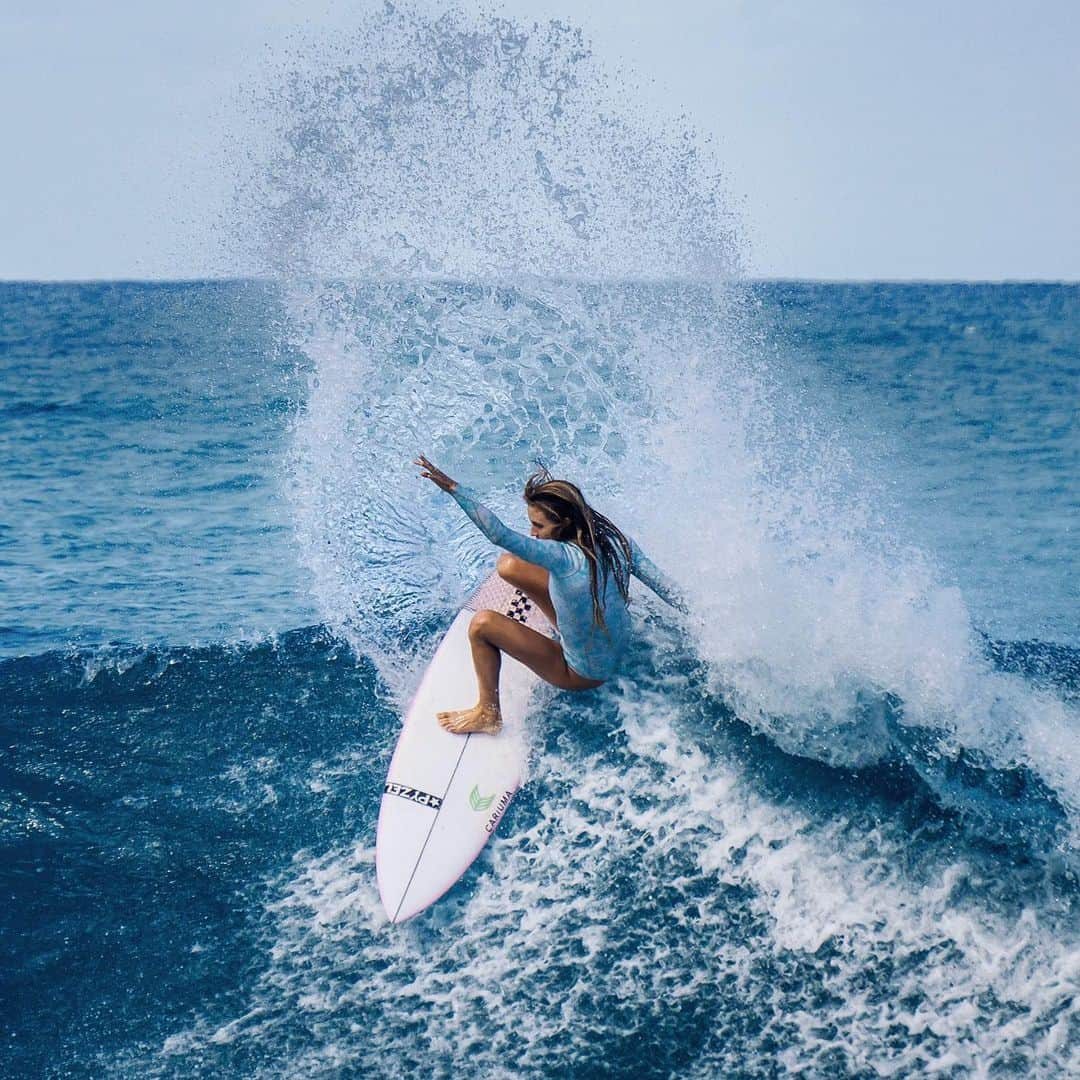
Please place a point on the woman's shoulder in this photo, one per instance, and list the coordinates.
(575, 556)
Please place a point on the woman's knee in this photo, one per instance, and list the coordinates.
(509, 567)
(483, 622)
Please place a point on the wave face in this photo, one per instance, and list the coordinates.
(826, 824)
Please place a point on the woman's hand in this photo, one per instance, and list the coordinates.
(435, 475)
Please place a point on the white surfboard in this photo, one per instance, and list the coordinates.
(445, 794)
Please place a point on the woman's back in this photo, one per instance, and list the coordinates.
(591, 650)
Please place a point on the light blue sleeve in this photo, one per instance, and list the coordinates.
(552, 555)
(648, 573)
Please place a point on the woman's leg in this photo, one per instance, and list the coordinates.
(490, 635)
(531, 579)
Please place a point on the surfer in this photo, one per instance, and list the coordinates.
(575, 566)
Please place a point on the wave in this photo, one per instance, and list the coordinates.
(308, 676)
(762, 884)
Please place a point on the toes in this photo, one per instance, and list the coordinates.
(450, 721)
(468, 721)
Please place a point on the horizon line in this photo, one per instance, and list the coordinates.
(764, 279)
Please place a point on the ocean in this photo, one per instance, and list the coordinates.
(826, 824)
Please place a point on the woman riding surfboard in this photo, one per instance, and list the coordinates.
(575, 566)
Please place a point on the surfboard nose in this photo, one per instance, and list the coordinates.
(423, 845)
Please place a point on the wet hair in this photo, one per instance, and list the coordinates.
(606, 548)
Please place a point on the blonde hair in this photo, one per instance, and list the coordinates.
(606, 548)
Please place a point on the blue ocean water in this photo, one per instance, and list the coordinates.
(142, 424)
(193, 759)
(826, 825)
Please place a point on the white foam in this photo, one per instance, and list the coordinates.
(649, 876)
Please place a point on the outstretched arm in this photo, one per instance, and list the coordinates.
(554, 556)
(648, 573)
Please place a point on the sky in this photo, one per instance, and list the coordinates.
(861, 139)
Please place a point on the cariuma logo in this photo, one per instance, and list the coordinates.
(480, 802)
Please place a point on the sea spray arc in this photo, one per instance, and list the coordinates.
(460, 330)
(807, 632)
(473, 148)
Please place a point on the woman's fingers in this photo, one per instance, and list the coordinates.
(432, 470)
(433, 473)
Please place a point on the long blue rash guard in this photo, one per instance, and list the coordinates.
(590, 650)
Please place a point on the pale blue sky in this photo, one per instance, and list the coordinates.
(861, 139)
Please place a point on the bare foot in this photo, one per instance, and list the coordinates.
(480, 719)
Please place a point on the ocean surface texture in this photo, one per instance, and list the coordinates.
(828, 824)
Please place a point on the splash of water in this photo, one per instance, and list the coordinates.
(488, 262)
(475, 148)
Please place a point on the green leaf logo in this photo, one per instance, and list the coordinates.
(480, 802)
